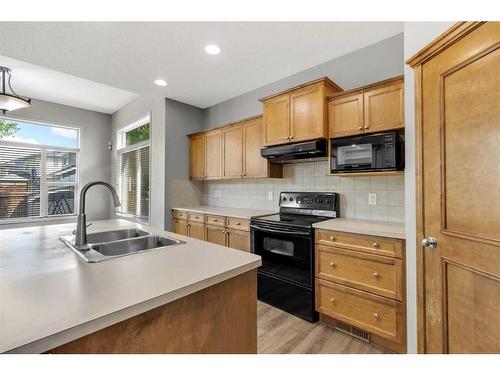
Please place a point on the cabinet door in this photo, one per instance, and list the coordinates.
(213, 155)
(196, 230)
(179, 227)
(276, 120)
(238, 239)
(232, 154)
(345, 115)
(254, 165)
(384, 108)
(197, 157)
(216, 234)
(307, 114)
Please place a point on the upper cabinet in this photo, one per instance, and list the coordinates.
(373, 108)
(229, 152)
(298, 114)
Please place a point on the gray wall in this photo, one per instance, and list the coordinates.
(373, 63)
(94, 155)
(416, 36)
(180, 120)
(127, 115)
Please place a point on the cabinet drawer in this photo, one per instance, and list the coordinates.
(376, 274)
(240, 224)
(359, 242)
(215, 220)
(378, 315)
(196, 217)
(180, 214)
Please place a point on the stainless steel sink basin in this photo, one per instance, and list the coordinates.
(118, 243)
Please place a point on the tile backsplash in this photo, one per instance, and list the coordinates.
(354, 192)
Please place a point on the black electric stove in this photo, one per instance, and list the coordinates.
(285, 241)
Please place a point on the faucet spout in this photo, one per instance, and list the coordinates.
(81, 221)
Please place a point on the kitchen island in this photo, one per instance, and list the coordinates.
(195, 297)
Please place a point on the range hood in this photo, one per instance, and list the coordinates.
(294, 152)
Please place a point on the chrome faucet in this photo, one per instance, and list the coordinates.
(81, 221)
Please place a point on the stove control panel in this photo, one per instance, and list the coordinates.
(309, 201)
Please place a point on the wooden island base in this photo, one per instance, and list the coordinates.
(219, 319)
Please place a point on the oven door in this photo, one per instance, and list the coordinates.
(286, 252)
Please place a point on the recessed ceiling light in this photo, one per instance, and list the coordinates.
(161, 82)
(212, 49)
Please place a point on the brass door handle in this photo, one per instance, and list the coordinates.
(332, 300)
(333, 264)
(376, 275)
(367, 127)
(332, 238)
(376, 317)
(376, 245)
(360, 128)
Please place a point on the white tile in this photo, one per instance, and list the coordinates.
(298, 183)
(362, 212)
(319, 183)
(298, 170)
(396, 214)
(378, 213)
(361, 197)
(308, 184)
(396, 183)
(320, 168)
(347, 211)
(396, 198)
(308, 169)
(333, 183)
(362, 183)
(288, 170)
(381, 197)
(347, 197)
(378, 183)
(347, 183)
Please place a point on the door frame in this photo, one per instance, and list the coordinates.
(443, 41)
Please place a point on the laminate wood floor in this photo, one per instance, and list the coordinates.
(281, 333)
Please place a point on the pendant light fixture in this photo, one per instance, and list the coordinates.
(10, 101)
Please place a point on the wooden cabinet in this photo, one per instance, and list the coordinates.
(232, 155)
(298, 114)
(230, 152)
(360, 280)
(216, 234)
(373, 108)
(196, 230)
(237, 223)
(213, 155)
(197, 157)
(179, 226)
(238, 239)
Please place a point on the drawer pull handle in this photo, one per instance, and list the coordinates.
(376, 245)
(360, 128)
(376, 275)
(215, 220)
(332, 238)
(333, 264)
(332, 300)
(367, 127)
(238, 223)
(376, 317)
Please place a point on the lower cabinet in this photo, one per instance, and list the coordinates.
(225, 231)
(360, 280)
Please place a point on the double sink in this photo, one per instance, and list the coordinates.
(117, 243)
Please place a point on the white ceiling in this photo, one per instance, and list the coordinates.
(129, 55)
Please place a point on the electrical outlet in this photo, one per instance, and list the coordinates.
(270, 196)
(372, 199)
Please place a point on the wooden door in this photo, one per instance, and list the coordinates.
(307, 114)
(179, 227)
(254, 165)
(345, 116)
(458, 113)
(196, 230)
(232, 153)
(276, 120)
(213, 155)
(384, 108)
(197, 157)
(238, 239)
(216, 234)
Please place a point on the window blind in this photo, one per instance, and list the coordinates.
(20, 171)
(134, 183)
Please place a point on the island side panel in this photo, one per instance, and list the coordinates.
(219, 319)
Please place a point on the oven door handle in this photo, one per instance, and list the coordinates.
(280, 231)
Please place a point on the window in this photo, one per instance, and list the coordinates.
(38, 170)
(133, 174)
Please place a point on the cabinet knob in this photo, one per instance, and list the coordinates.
(376, 275)
(332, 238)
(360, 128)
(376, 317)
(238, 223)
(333, 264)
(215, 220)
(332, 300)
(367, 127)
(376, 245)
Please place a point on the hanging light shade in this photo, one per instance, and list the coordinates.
(10, 101)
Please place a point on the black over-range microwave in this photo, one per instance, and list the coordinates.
(368, 153)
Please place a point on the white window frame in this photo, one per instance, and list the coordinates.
(121, 149)
(44, 184)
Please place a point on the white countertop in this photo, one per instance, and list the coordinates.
(49, 296)
(371, 228)
(240, 213)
